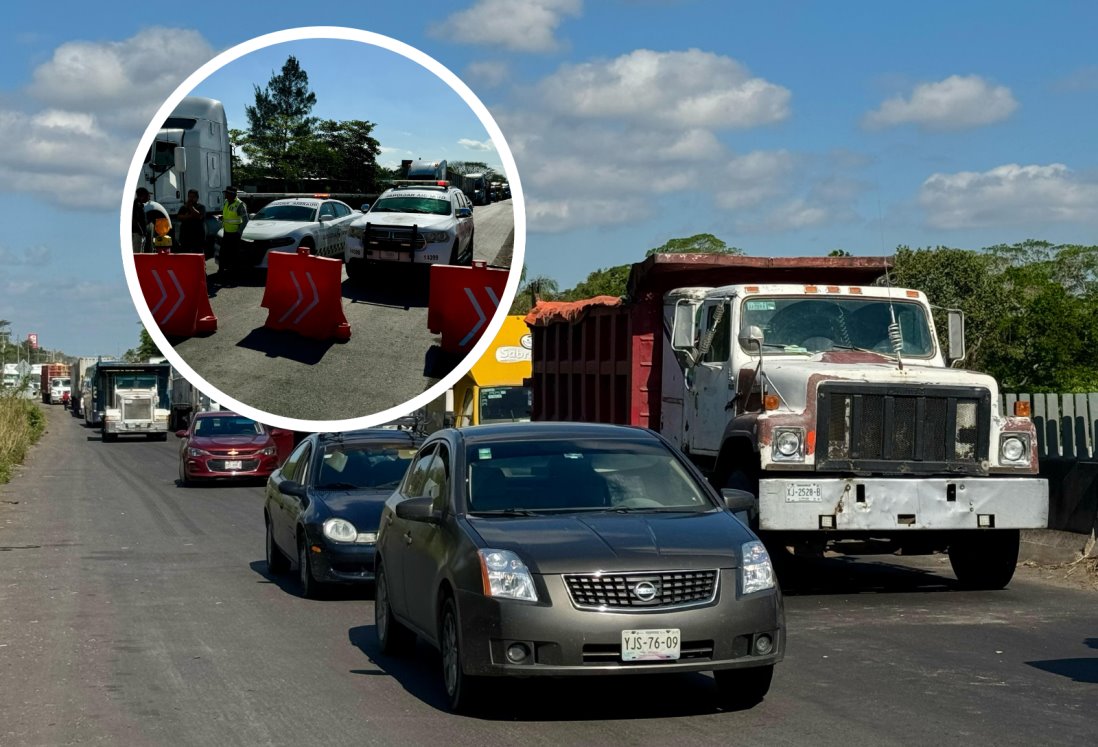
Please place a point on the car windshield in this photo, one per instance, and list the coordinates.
(505, 404)
(810, 325)
(409, 204)
(228, 425)
(375, 465)
(297, 213)
(573, 475)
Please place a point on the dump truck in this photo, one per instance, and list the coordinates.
(54, 379)
(825, 395)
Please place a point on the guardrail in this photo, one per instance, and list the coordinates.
(1067, 447)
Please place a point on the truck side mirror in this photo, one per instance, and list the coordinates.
(180, 155)
(956, 336)
(751, 337)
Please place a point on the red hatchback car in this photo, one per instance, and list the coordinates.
(224, 445)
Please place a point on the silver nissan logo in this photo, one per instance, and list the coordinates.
(645, 591)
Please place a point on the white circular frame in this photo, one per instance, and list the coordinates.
(411, 53)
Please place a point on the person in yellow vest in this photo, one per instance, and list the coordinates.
(234, 216)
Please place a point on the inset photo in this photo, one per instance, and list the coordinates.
(323, 228)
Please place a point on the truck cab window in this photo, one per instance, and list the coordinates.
(721, 342)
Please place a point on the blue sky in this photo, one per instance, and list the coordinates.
(784, 128)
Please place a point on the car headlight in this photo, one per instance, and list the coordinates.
(283, 241)
(788, 445)
(193, 452)
(1014, 449)
(357, 231)
(340, 530)
(756, 570)
(434, 237)
(269, 451)
(504, 575)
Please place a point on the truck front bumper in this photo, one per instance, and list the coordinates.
(902, 504)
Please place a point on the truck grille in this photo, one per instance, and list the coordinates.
(902, 430)
(619, 591)
(137, 409)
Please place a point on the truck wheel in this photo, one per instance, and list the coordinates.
(985, 559)
(742, 688)
(356, 270)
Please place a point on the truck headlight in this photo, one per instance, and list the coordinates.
(435, 237)
(756, 570)
(505, 575)
(340, 530)
(788, 445)
(1014, 448)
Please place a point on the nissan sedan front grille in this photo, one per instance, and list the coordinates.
(641, 592)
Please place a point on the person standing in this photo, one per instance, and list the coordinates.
(234, 216)
(140, 225)
(192, 225)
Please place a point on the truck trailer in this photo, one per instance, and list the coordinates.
(826, 396)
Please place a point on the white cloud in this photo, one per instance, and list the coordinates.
(31, 256)
(468, 144)
(957, 102)
(96, 97)
(674, 89)
(516, 25)
(1010, 195)
(122, 82)
(489, 73)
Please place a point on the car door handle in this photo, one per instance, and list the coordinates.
(408, 538)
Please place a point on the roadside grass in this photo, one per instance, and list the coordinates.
(22, 423)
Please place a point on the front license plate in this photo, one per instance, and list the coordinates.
(237, 464)
(650, 645)
(803, 492)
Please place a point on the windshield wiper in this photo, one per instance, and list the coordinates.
(855, 347)
(505, 512)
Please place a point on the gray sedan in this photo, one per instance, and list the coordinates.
(573, 549)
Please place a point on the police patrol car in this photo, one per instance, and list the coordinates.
(316, 223)
(413, 223)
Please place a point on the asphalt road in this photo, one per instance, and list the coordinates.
(133, 611)
(388, 360)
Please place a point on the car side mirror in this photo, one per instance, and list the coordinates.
(464, 212)
(327, 218)
(289, 487)
(180, 434)
(365, 207)
(738, 500)
(417, 509)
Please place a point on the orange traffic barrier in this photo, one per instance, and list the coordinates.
(462, 301)
(174, 286)
(303, 295)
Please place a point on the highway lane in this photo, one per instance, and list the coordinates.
(134, 611)
(385, 363)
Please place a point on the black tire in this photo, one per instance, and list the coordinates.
(355, 270)
(277, 564)
(184, 481)
(455, 258)
(738, 689)
(985, 559)
(393, 638)
(310, 587)
(308, 243)
(469, 251)
(462, 691)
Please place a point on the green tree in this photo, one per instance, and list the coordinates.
(839, 253)
(609, 281)
(701, 243)
(279, 126)
(145, 349)
(346, 152)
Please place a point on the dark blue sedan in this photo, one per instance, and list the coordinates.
(324, 503)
